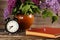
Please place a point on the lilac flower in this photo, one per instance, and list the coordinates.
(55, 7)
(6, 13)
(8, 9)
(59, 1)
(36, 2)
(42, 5)
(52, 4)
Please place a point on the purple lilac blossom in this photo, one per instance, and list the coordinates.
(59, 1)
(52, 4)
(42, 5)
(8, 9)
(6, 13)
(36, 2)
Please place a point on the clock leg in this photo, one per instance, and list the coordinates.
(9, 33)
(5, 31)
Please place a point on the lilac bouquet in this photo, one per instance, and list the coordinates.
(54, 5)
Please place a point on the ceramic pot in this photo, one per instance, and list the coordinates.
(25, 21)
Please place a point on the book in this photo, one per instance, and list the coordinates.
(44, 32)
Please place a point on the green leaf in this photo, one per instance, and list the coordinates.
(44, 14)
(30, 10)
(21, 7)
(33, 6)
(15, 10)
(31, 3)
(47, 13)
(37, 10)
(25, 8)
(54, 18)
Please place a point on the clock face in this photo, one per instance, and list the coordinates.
(12, 26)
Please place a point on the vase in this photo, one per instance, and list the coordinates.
(25, 21)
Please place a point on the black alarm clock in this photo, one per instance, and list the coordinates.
(12, 26)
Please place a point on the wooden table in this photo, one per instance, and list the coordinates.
(21, 36)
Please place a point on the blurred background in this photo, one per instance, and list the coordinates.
(3, 4)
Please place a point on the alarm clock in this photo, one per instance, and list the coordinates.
(12, 26)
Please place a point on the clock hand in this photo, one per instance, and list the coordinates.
(11, 27)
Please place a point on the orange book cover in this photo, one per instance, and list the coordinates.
(44, 32)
